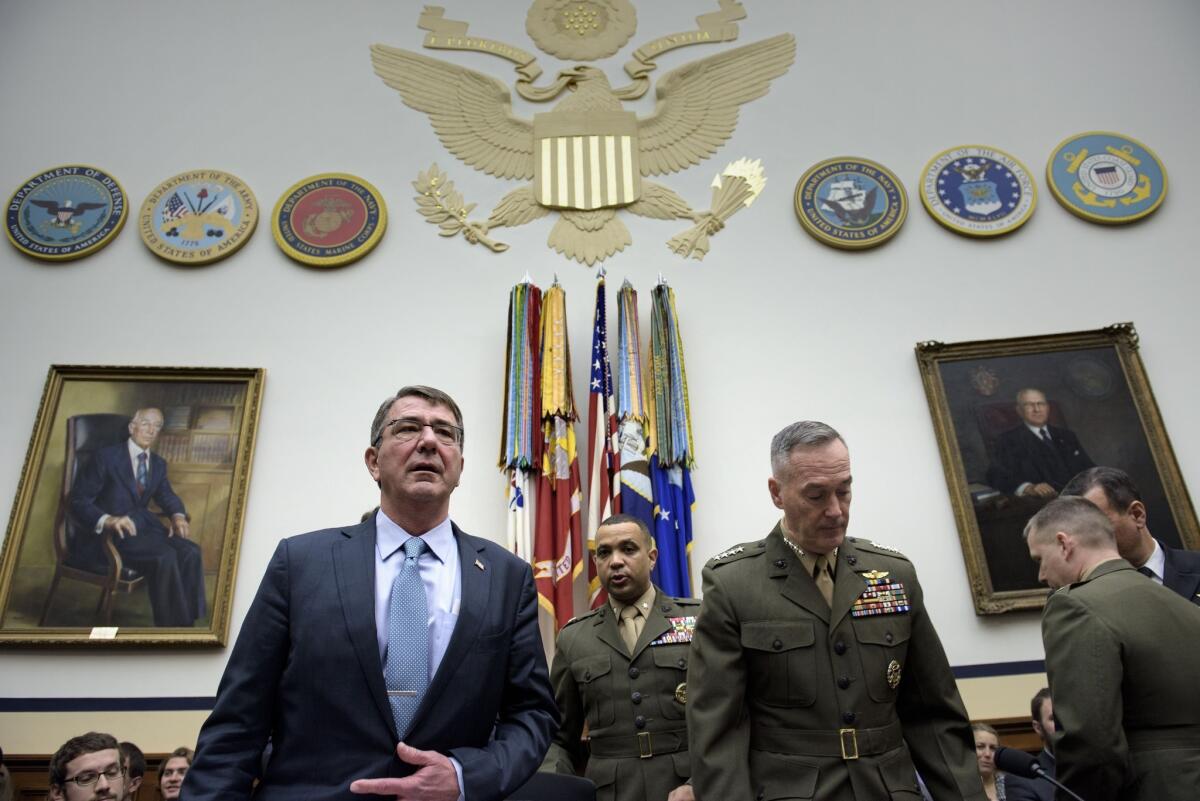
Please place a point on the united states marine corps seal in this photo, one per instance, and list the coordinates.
(1106, 177)
(329, 220)
(198, 217)
(978, 191)
(65, 213)
(851, 203)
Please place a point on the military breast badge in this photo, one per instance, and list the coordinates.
(978, 191)
(851, 203)
(882, 596)
(1106, 177)
(65, 213)
(329, 220)
(682, 630)
(588, 158)
(198, 217)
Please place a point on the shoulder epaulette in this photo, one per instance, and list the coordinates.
(867, 545)
(684, 601)
(582, 617)
(738, 552)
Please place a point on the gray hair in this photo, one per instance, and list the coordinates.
(430, 394)
(804, 434)
(1076, 516)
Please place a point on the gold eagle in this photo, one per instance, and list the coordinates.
(575, 162)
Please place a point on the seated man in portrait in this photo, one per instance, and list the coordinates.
(113, 492)
(1035, 458)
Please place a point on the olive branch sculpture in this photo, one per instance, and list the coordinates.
(442, 205)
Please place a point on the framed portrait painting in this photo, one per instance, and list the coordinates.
(1016, 419)
(128, 515)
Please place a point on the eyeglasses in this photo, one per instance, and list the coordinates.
(407, 428)
(88, 778)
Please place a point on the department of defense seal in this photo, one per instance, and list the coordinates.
(329, 220)
(65, 213)
(851, 203)
(978, 191)
(1106, 177)
(198, 217)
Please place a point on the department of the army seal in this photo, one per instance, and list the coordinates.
(978, 191)
(1106, 177)
(851, 203)
(198, 217)
(329, 220)
(65, 213)
(893, 674)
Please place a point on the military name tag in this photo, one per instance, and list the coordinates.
(682, 630)
(881, 597)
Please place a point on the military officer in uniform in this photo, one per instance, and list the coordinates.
(815, 670)
(622, 668)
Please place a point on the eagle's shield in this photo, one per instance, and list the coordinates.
(586, 160)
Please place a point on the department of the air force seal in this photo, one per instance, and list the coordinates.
(198, 217)
(1106, 177)
(329, 220)
(978, 191)
(851, 203)
(65, 213)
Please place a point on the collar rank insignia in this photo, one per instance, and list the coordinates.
(883, 596)
(682, 630)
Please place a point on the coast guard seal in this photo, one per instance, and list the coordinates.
(329, 220)
(198, 217)
(1106, 177)
(65, 213)
(851, 203)
(978, 191)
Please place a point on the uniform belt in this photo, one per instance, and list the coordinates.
(643, 744)
(1166, 737)
(842, 743)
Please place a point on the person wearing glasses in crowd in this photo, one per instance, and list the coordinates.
(88, 768)
(400, 652)
(174, 769)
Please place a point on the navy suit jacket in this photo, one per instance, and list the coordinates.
(1182, 572)
(1021, 456)
(106, 486)
(1018, 788)
(306, 672)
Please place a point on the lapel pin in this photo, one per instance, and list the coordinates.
(479, 565)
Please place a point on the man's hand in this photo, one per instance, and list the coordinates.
(1040, 490)
(123, 526)
(682, 793)
(179, 526)
(435, 779)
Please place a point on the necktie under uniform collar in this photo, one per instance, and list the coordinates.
(818, 565)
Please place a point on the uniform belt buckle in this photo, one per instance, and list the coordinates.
(645, 746)
(848, 737)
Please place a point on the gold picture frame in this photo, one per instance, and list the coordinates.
(1099, 398)
(107, 548)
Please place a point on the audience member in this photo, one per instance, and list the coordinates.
(87, 768)
(174, 768)
(1019, 788)
(986, 743)
(1115, 494)
(135, 768)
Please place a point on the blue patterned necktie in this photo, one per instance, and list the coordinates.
(406, 670)
(141, 473)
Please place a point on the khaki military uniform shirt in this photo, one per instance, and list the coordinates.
(634, 704)
(790, 699)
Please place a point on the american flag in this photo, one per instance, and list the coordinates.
(604, 486)
(174, 208)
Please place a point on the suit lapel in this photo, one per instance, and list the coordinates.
(794, 582)
(124, 468)
(472, 609)
(1186, 584)
(354, 569)
(607, 633)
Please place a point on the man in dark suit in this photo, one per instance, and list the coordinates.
(622, 670)
(1121, 668)
(400, 648)
(1115, 494)
(1035, 458)
(1019, 788)
(113, 493)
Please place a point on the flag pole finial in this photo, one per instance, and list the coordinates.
(527, 279)
(661, 280)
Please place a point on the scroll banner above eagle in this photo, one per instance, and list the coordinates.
(587, 158)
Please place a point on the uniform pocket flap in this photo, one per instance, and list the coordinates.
(778, 637)
(592, 668)
(783, 777)
(670, 658)
(883, 632)
(683, 765)
(602, 772)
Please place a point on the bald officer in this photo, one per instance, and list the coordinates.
(815, 663)
(622, 669)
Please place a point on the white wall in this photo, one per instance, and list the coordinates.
(777, 327)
